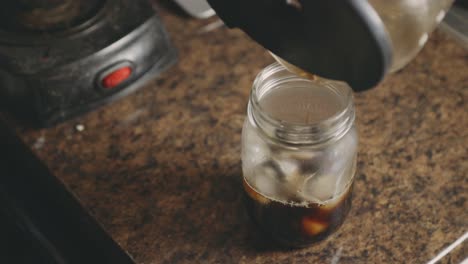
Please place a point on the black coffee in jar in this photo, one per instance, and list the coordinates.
(296, 224)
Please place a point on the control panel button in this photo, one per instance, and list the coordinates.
(116, 77)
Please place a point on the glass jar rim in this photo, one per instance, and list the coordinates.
(332, 127)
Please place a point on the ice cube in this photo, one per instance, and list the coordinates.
(295, 154)
(254, 151)
(319, 188)
(346, 176)
(289, 168)
(313, 226)
(342, 151)
(253, 155)
(268, 180)
(340, 170)
(306, 161)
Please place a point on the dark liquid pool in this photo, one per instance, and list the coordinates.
(296, 225)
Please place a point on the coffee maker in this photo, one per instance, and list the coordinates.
(60, 58)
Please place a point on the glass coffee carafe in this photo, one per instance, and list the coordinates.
(358, 41)
(409, 23)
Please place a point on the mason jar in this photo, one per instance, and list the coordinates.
(299, 147)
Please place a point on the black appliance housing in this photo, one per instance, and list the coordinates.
(60, 58)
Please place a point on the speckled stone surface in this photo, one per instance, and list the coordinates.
(160, 169)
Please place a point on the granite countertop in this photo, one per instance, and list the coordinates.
(160, 169)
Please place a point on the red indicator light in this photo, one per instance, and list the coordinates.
(116, 77)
